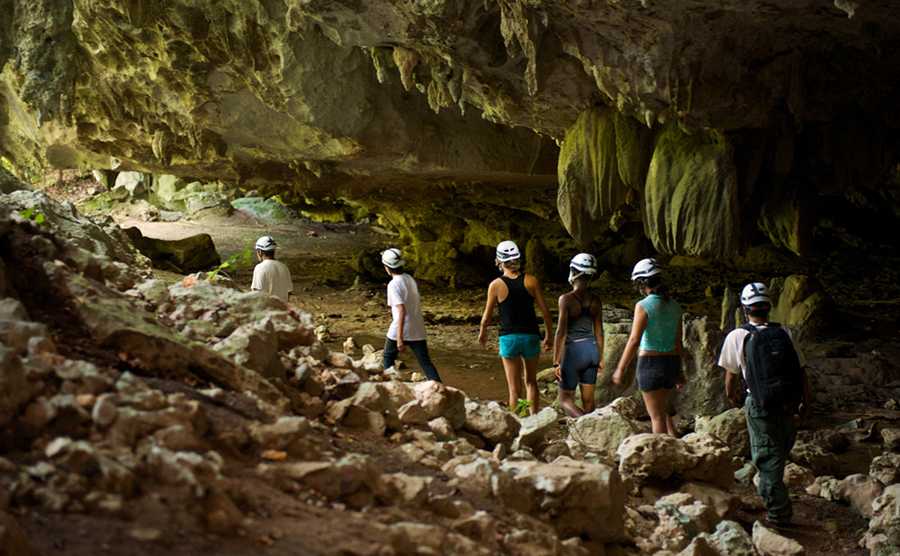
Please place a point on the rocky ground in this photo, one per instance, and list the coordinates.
(149, 415)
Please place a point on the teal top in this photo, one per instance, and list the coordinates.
(663, 318)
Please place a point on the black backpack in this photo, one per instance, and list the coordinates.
(774, 374)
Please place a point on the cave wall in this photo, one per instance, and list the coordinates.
(698, 128)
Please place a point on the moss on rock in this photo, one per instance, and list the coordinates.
(691, 195)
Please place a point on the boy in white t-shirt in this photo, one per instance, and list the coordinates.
(271, 276)
(408, 325)
(772, 431)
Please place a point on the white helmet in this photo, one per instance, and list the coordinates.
(265, 243)
(753, 293)
(645, 268)
(582, 264)
(392, 258)
(507, 251)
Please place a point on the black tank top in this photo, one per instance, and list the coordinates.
(517, 310)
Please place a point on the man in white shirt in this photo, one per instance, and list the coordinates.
(271, 276)
(408, 325)
(772, 429)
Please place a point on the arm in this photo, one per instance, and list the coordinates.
(488, 313)
(559, 343)
(631, 348)
(598, 333)
(400, 320)
(733, 387)
(545, 313)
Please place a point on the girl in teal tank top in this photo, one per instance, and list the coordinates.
(656, 340)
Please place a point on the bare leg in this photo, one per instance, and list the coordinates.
(670, 425)
(657, 402)
(513, 370)
(567, 402)
(531, 385)
(587, 397)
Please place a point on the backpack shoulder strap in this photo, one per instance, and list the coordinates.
(749, 328)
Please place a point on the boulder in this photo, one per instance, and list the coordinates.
(578, 498)
(770, 543)
(254, 345)
(730, 539)
(353, 478)
(798, 476)
(891, 438)
(404, 489)
(135, 183)
(187, 255)
(439, 400)
(681, 518)
(535, 428)
(491, 421)
(659, 456)
(722, 503)
(886, 469)
(474, 473)
(602, 431)
(287, 433)
(860, 491)
(730, 427)
(441, 428)
(883, 536)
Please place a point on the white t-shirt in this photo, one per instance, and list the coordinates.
(732, 356)
(274, 278)
(402, 290)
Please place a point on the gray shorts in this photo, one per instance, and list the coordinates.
(660, 372)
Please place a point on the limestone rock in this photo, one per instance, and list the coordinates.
(602, 431)
(798, 476)
(254, 345)
(441, 428)
(579, 498)
(283, 434)
(731, 539)
(704, 390)
(891, 439)
(439, 400)
(730, 427)
(191, 254)
(799, 303)
(659, 456)
(602, 164)
(491, 421)
(681, 518)
(475, 473)
(691, 197)
(403, 488)
(412, 413)
(883, 536)
(719, 501)
(860, 491)
(886, 469)
(135, 183)
(353, 478)
(770, 543)
(535, 428)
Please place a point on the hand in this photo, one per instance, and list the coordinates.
(600, 368)
(547, 345)
(482, 339)
(400, 345)
(617, 377)
(557, 371)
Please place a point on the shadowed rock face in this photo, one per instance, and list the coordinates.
(711, 124)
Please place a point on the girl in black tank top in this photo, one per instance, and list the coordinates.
(517, 314)
(520, 342)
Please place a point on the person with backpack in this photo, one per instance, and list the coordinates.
(578, 346)
(516, 293)
(764, 355)
(407, 324)
(656, 339)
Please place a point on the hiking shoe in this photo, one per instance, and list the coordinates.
(779, 523)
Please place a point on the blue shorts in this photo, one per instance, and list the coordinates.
(579, 366)
(660, 372)
(524, 345)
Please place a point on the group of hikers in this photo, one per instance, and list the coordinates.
(764, 369)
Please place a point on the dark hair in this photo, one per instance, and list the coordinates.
(267, 254)
(398, 270)
(655, 284)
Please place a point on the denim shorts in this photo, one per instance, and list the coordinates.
(579, 365)
(659, 372)
(516, 345)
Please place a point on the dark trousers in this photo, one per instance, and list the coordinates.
(419, 348)
(772, 436)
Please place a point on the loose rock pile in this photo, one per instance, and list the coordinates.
(166, 404)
